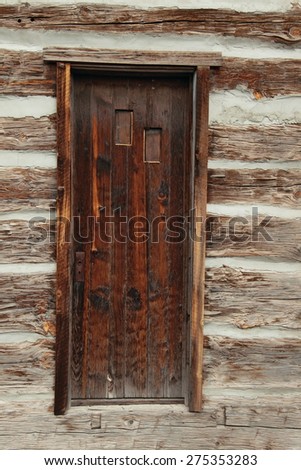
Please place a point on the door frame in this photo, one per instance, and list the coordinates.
(196, 64)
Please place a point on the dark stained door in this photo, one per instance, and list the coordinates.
(131, 192)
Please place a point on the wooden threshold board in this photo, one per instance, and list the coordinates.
(126, 401)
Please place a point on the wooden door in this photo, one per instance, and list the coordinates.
(131, 201)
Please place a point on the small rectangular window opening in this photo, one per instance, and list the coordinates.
(152, 145)
(123, 127)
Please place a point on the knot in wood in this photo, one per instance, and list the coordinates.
(295, 33)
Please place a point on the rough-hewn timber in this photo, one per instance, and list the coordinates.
(159, 437)
(247, 363)
(259, 235)
(142, 427)
(29, 241)
(256, 76)
(27, 367)
(256, 143)
(269, 416)
(275, 187)
(25, 73)
(280, 27)
(24, 188)
(39, 352)
(27, 304)
(134, 57)
(248, 299)
(28, 133)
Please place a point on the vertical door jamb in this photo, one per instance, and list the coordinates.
(63, 291)
(199, 176)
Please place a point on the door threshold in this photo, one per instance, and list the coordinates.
(126, 401)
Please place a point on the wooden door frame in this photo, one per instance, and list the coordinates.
(198, 65)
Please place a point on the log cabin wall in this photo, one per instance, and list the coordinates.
(252, 327)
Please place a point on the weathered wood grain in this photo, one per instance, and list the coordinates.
(28, 133)
(280, 27)
(25, 380)
(198, 247)
(27, 304)
(256, 143)
(102, 420)
(250, 299)
(25, 73)
(268, 416)
(39, 352)
(265, 78)
(275, 187)
(159, 438)
(155, 427)
(64, 240)
(26, 368)
(23, 188)
(27, 241)
(133, 57)
(249, 363)
(258, 235)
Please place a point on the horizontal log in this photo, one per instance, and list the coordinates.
(39, 353)
(27, 368)
(256, 143)
(109, 56)
(252, 363)
(278, 26)
(26, 379)
(274, 187)
(26, 204)
(159, 438)
(27, 303)
(31, 425)
(259, 235)
(25, 73)
(98, 420)
(25, 188)
(274, 411)
(268, 416)
(265, 78)
(248, 299)
(28, 133)
(30, 241)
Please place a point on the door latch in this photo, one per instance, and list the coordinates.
(80, 266)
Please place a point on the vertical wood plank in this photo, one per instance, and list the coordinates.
(100, 295)
(63, 295)
(180, 203)
(119, 203)
(159, 105)
(136, 290)
(198, 273)
(82, 231)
